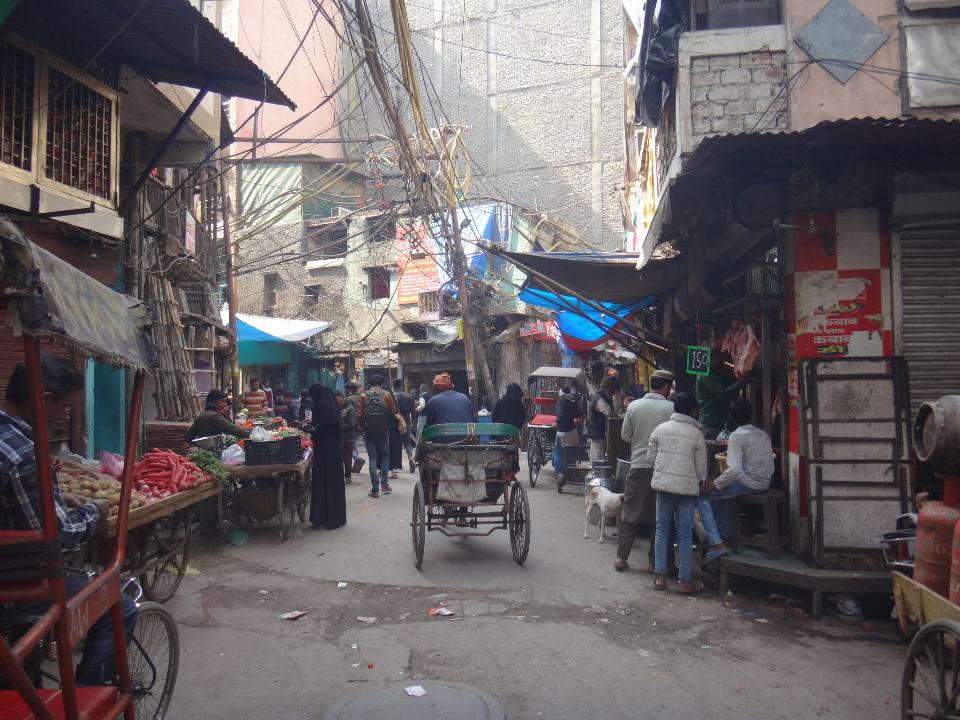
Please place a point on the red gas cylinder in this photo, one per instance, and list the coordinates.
(955, 566)
(935, 539)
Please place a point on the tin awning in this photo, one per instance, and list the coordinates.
(51, 298)
(164, 40)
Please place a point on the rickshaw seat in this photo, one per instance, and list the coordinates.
(93, 702)
(549, 420)
(545, 401)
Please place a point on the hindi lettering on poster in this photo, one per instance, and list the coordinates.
(419, 273)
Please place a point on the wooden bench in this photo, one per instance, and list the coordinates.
(773, 505)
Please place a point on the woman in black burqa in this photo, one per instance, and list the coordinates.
(328, 504)
(509, 408)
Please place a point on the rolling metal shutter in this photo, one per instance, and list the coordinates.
(930, 296)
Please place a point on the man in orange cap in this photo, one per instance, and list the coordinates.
(447, 405)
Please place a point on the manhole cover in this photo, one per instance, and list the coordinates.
(450, 701)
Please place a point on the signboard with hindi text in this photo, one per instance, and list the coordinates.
(416, 259)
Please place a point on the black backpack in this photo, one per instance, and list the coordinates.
(375, 414)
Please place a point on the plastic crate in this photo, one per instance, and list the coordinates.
(285, 451)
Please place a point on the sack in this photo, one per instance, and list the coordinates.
(375, 415)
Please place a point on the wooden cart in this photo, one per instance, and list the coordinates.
(257, 493)
(158, 541)
(930, 687)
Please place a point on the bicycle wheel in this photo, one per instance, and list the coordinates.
(287, 506)
(931, 674)
(534, 458)
(154, 656)
(519, 519)
(165, 555)
(418, 525)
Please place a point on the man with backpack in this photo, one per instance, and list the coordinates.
(372, 410)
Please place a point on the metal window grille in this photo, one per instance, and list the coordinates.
(79, 134)
(429, 302)
(17, 76)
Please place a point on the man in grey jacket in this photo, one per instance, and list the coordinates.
(639, 500)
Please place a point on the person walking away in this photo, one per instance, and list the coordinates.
(328, 500)
(568, 425)
(405, 406)
(254, 400)
(77, 517)
(352, 392)
(511, 411)
(348, 431)
(749, 470)
(679, 456)
(715, 391)
(601, 409)
(212, 420)
(509, 408)
(374, 410)
(421, 409)
(639, 499)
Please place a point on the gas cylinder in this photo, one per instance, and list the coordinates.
(955, 566)
(935, 548)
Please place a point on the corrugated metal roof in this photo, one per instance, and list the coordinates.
(165, 40)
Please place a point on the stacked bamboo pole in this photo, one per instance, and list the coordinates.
(176, 387)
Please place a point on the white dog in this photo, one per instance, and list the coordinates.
(610, 505)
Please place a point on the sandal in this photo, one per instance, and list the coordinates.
(692, 587)
(660, 582)
(713, 555)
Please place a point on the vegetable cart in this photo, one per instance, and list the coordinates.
(257, 493)
(460, 475)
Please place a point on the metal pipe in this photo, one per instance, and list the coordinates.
(231, 293)
(167, 141)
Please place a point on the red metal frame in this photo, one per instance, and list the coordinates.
(70, 618)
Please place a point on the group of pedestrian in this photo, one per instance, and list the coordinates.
(668, 477)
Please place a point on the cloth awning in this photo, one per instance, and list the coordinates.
(51, 298)
(602, 277)
(164, 40)
(256, 328)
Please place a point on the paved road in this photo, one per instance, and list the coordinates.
(564, 636)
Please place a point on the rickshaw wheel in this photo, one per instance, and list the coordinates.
(287, 505)
(227, 509)
(533, 459)
(519, 522)
(931, 673)
(418, 525)
(154, 659)
(168, 544)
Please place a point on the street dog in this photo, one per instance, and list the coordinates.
(610, 505)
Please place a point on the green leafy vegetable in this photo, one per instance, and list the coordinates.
(210, 463)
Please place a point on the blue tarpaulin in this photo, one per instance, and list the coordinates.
(580, 332)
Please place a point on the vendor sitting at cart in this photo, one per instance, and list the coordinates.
(77, 517)
(212, 421)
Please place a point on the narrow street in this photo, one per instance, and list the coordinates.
(562, 637)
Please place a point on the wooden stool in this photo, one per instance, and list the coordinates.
(772, 503)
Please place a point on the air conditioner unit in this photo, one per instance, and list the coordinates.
(339, 212)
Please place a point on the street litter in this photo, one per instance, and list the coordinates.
(263, 592)
(341, 585)
(415, 691)
(706, 647)
(365, 619)
(292, 615)
(441, 596)
(355, 665)
(763, 620)
(441, 611)
(369, 666)
(192, 571)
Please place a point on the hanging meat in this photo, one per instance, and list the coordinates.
(740, 342)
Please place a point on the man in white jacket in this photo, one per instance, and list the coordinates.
(679, 456)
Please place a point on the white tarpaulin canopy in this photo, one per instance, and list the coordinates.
(259, 328)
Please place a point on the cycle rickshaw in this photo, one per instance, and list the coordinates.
(50, 299)
(468, 486)
(543, 389)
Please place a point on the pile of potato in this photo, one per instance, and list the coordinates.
(77, 479)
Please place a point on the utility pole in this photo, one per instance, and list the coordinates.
(466, 313)
(231, 293)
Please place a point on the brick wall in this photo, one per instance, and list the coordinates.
(738, 93)
(519, 74)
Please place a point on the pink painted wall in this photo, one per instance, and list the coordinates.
(264, 34)
(817, 96)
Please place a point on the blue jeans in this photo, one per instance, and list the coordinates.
(721, 508)
(682, 505)
(378, 455)
(97, 665)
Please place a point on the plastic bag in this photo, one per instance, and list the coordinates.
(261, 435)
(111, 464)
(233, 455)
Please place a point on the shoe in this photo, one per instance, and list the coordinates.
(348, 480)
(394, 476)
(386, 489)
(413, 466)
(620, 565)
(358, 464)
(374, 494)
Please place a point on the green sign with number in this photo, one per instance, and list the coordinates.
(698, 360)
